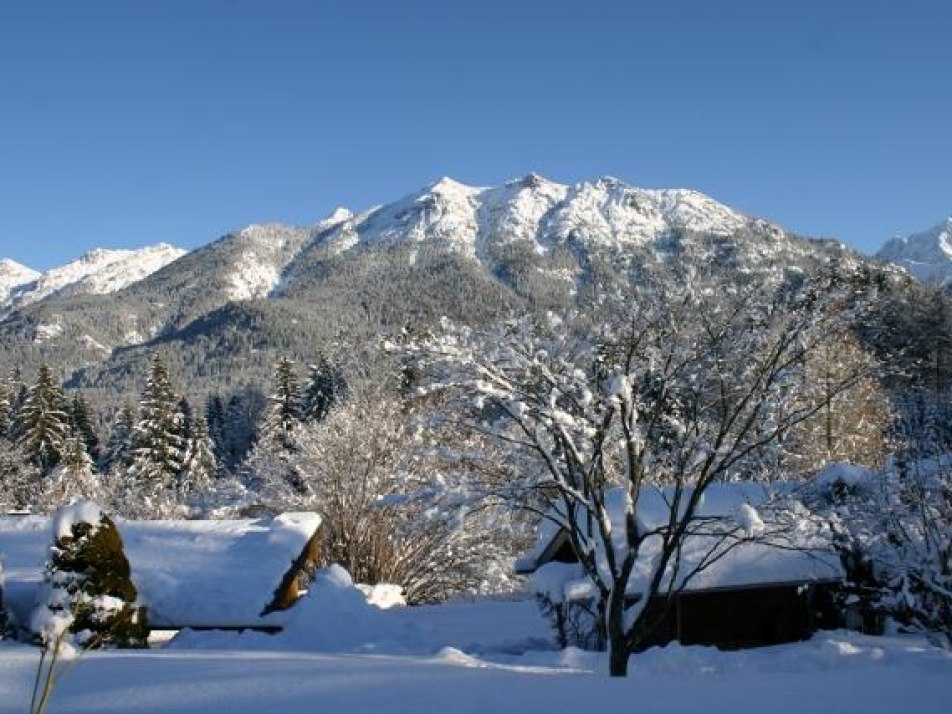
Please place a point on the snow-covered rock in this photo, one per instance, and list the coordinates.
(926, 255)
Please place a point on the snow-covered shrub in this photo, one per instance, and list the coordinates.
(895, 537)
(89, 595)
(395, 507)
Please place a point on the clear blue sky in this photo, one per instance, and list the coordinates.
(128, 123)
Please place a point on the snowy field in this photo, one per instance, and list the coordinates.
(482, 658)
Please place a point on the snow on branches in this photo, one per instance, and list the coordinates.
(677, 384)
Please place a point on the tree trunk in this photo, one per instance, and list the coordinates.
(617, 642)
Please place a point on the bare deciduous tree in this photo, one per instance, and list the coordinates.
(678, 387)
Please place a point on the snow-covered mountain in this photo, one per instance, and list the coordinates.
(225, 310)
(97, 272)
(927, 255)
(604, 212)
(12, 277)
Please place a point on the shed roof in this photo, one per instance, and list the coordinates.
(755, 543)
(188, 573)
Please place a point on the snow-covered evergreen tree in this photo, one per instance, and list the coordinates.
(73, 478)
(200, 467)
(118, 452)
(243, 412)
(157, 443)
(81, 425)
(20, 479)
(284, 410)
(89, 594)
(44, 421)
(323, 389)
(6, 404)
(215, 420)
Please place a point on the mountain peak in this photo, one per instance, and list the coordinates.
(926, 255)
(447, 186)
(338, 215)
(101, 270)
(11, 267)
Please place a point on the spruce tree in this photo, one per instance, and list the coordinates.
(81, 426)
(118, 452)
(215, 420)
(284, 412)
(73, 478)
(6, 405)
(322, 391)
(157, 442)
(242, 414)
(185, 409)
(200, 467)
(44, 422)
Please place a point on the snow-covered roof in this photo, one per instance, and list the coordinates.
(755, 543)
(188, 573)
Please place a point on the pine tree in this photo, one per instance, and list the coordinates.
(185, 409)
(20, 479)
(200, 467)
(323, 389)
(215, 420)
(6, 405)
(81, 426)
(242, 414)
(20, 393)
(118, 451)
(284, 412)
(73, 478)
(44, 422)
(157, 442)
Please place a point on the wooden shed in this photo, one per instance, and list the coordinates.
(758, 592)
(227, 574)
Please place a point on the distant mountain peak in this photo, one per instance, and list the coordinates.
(926, 255)
(338, 215)
(9, 266)
(446, 185)
(97, 271)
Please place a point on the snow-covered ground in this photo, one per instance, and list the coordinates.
(485, 657)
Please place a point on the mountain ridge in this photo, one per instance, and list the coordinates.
(224, 311)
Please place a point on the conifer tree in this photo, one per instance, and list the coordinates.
(157, 442)
(185, 409)
(81, 426)
(88, 584)
(20, 479)
(19, 394)
(215, 421)
(6, 404)
(200, 467)
(44, 422)
(73, 478)
(118, 451)
(242, 415)
(322, 391)
(284, 411)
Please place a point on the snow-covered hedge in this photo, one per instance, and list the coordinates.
(89, 598)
